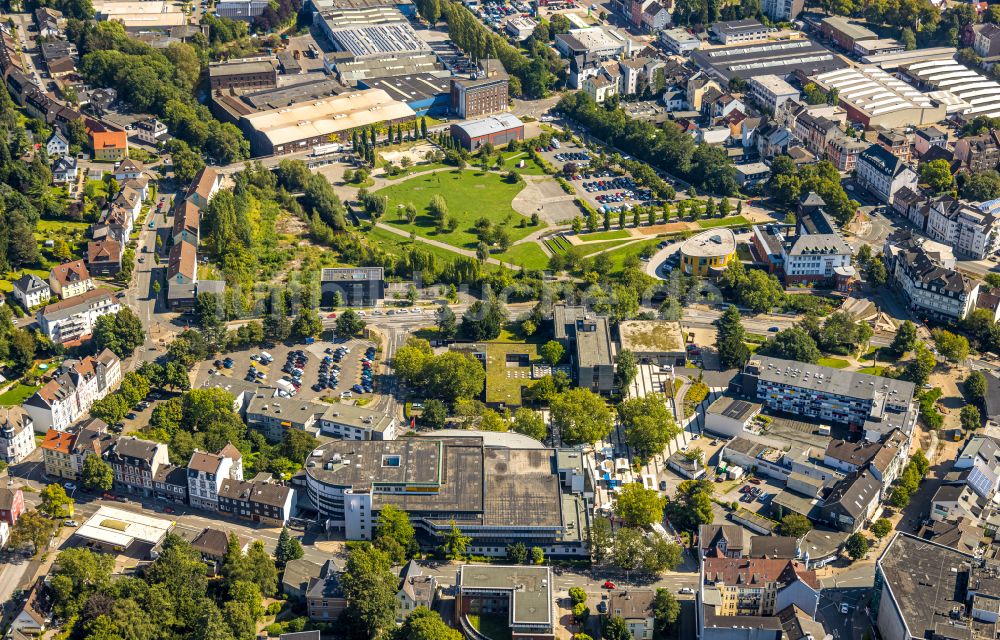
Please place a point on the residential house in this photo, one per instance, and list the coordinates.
(852, 502)
(883, 174)
(843, 151)
(973, 231)
(91, 438)
(50, 22)
(260, 500)
(57, 145)
(212, 544)
(57, 455)
(814, 131)
(128, 169)
(31, 291)
(979, 153)
(956, 501)
(70, 279)
(771, 91)
(908, 199)
(635, 606)
(697, 85)
(602, 85)
(206, 473)
(297, 577)
(204, 186)
(17, 434)
(772, 140)
(349, 422)
(129, 200)
(150, 131)
(135, 463)
(72, 320)
(655, 17)
(171, 484)
(274, 416)
(31, 621)
(64, 171)
(324, 596)
(987, 42)
(928, 137)
(104, 257)
(183, 265)
(931, 289)
(11, 504)
(896, 143)
(109, 145)
(757, 587)
(187, 223)
(416, 589)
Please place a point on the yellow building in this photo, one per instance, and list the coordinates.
(708, 253)
(57, 452)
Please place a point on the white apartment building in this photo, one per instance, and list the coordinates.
(349, 422)
(973, 231)
(241, 9)
(70, 279)
(932, 290)
(73, 319)
(771, 91)
(152, 130)
(883, 174)
(206, 473)
(17, 435)
(71, 393)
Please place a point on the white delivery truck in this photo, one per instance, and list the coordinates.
(286, 386)
(266, 357)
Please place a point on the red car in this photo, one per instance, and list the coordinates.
(168, 509)
(608, 584)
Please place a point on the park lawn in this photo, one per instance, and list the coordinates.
(618, 256)
(731, 221)
(418, 168)
(596, 247)
(45, 226)
(530, 167)
(394, 243)
(470, 195)
(17, 394)
(557, 244)
(835, 363)
(527, 255)
(604, 235)
(875, 371)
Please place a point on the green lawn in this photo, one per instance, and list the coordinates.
(558, 244)
(604, 235)
(530, 167)
(875, 371)
(836, 363)
(17, 395)
(7, 287)
(394, 244)
(491, 625)
(418, 168)
(731, 221)
(619, 255)
(44, 226)
(469, 195)
(527, 254)
(594, 247)
(504, 380)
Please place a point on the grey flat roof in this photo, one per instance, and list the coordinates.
(531, 589)
(411, 87)
(829, 380)
(734, 408)
(293, 410)
(235, 68)
(351, 274)
(300, 92)
(651, 336)
(490, 124)
(359, 417)
(777, 58)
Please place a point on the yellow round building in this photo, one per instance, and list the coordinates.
(708, 253)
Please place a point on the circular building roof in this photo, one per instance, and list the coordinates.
(710, 244)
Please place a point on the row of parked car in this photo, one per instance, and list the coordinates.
(573, 156)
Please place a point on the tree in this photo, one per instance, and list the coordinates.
(952, 346)
(370, 589)
(517, 553)
(581, 416)
(394, 534)
(435, 414)
(918, 370)
(277, 326)
(975, 387)
(455, 543)
(424, 624)
(615, 628)
(308, 324)
(287, 549)
(936, 174)
(666, 610)
(349, 324)
(627, 370)
(97, 474)
(121, 332)
(647, 423)
(577, 595)
(981, 186)
(881, 528)
(908, 39)
(794, 525)
(529, 423)
(856, 546)
(733, 351)
(32, 527)
(55, 502)
(601, 539)
(970, 417)
(484, 320)
(553, 352)
(793, 343)
(537, 555)
(905, 339)
(446, 322)
(22, 346)
(692, 505)
(639, 506)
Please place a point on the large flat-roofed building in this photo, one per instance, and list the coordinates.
(126, 532)
(845, 32)
(358, 286)
(595, 42)
(770, 91)
(497, 130)
(586, 335)
(865, 402)
(928, 590)
(336, 18)
(967, 92)
(737, 31)
(241, 9)
(729, 416)
(373, 40)
(775, 58)
(875, 98)
(482, 93)
(303, 125)
(243, 74)
(654, 341)
(350, 71)
(425, 93)
(523, 594)
(494, 494)
(151, 14)
(229, 105)
(350, 422)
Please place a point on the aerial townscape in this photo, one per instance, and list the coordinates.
(499, 320)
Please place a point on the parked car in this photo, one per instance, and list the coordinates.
(608, 585)
(69, 486)
(70, 523)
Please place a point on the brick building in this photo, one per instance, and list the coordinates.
(485, 93)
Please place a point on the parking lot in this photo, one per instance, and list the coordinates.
(602, 189)
(754, 496)
(351, 369)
